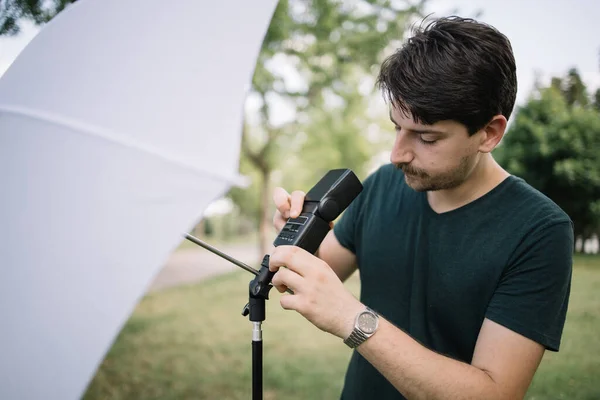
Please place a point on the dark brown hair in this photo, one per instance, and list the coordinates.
(452, 69)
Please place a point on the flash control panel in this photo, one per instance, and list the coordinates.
(291, 228)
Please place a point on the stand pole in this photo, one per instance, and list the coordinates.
(257, 362)
(258, 292)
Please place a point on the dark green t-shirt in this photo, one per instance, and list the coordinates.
(506, 256)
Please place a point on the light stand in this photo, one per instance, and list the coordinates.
(322, 204)
(255, 309)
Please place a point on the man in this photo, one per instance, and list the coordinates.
(465, 269)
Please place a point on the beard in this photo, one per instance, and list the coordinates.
(421, 181)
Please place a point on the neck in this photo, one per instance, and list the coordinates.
(486, 175)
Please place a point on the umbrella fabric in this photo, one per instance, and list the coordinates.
(119, 124)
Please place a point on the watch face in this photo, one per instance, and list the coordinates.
(367, 322)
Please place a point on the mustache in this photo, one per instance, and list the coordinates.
(409, 170)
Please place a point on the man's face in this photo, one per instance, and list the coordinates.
(433, 157)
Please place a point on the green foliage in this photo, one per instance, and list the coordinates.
(554, 144)
(573, 89)
(326, 41)
(331, 140)
(38, 11)
(330, 46)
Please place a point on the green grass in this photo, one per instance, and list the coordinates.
(574, 372)
(192, 342)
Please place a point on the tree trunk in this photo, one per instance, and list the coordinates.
(579, 237)
(266, 220)
(199, 229)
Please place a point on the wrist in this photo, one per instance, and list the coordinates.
(349, 319)
(366, 322)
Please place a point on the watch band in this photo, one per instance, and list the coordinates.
(355, 338)
(358, 336)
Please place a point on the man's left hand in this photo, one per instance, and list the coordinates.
(319, 295)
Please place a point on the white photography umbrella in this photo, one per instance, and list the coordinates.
(119, 123)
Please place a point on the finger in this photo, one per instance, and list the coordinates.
(278, 221)
(281, 288)
(282, 200)
(294, 258)
(297, 203)
(291, 302)
(277, 284)
(285, 278)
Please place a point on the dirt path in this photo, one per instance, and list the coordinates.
(192, 265)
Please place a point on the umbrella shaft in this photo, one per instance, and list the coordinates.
(220, 253)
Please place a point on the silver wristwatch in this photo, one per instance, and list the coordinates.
(365, 325)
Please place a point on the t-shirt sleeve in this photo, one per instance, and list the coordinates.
(533, 294)
(346, 228)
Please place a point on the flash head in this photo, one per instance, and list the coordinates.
(322, 204)
(334, 193)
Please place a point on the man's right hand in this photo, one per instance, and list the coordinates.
(288, 206)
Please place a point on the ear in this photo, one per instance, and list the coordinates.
(492, 133)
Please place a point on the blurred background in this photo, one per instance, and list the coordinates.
(313, 107)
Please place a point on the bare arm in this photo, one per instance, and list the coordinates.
(341, 260)
(503, 365)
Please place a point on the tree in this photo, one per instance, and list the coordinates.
(329, 45)
(554, 145)
(343, 136)
(12, 12)
(575, 92)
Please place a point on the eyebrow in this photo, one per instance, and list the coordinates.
(420, 131)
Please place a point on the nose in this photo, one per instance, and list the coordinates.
(401, 152)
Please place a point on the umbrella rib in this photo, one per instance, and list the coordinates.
(214, 250)
(108, 135)
(240, 264)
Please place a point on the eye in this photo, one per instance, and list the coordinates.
(427, 142)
